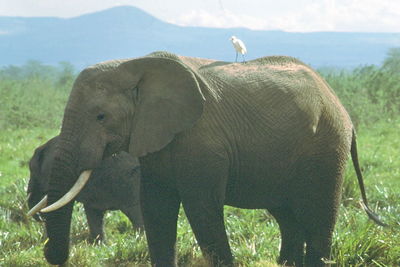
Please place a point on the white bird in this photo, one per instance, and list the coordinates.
(239, 47)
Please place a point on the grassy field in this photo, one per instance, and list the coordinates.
(32, 99)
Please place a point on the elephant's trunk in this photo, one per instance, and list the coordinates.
(58, 222)
(58, 225)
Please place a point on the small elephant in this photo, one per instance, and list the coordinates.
(114, 185)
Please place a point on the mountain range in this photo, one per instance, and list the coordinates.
(126, 31)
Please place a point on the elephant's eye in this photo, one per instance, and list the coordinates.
(101, 117)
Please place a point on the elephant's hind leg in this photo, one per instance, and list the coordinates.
(317, 209)
(292, 237)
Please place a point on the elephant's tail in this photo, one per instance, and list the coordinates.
(364, 202)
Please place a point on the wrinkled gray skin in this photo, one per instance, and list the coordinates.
(114, 185)
(268, 134)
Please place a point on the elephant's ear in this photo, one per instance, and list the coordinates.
(35, 164)
(169, 101)
(34, 167)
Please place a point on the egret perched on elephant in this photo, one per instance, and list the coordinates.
(239, 47)
(269, 134)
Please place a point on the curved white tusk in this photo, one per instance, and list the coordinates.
(42, 203)
(76, 188)
(29, 195)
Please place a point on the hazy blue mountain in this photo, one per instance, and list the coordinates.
(124, 32)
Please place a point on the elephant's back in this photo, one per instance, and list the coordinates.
(278, 102)
(275, 88)
(274, 100)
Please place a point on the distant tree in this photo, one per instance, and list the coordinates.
(66, 74)
(384, 83)
(392, 61)
(391, 68)
(11, 71)
(34, 69)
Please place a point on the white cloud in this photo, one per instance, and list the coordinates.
(221, 19)
(342, 15)
(325, 15)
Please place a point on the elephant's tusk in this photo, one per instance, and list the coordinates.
(71, 194)
(42, 203)
(29, 195)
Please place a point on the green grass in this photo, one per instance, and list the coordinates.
(254, 235)
(31, 108)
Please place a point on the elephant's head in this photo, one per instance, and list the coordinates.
(135, 105)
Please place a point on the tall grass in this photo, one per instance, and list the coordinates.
(32, 100)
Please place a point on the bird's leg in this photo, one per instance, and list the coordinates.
(236, 56)
(244, 59)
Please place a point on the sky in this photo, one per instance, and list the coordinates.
(287, 15)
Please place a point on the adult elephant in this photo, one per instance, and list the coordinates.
(268, 134)
(114, 185)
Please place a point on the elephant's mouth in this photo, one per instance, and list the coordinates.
(117, 145)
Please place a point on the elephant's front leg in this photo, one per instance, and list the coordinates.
(160, 207)
(95, 220)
